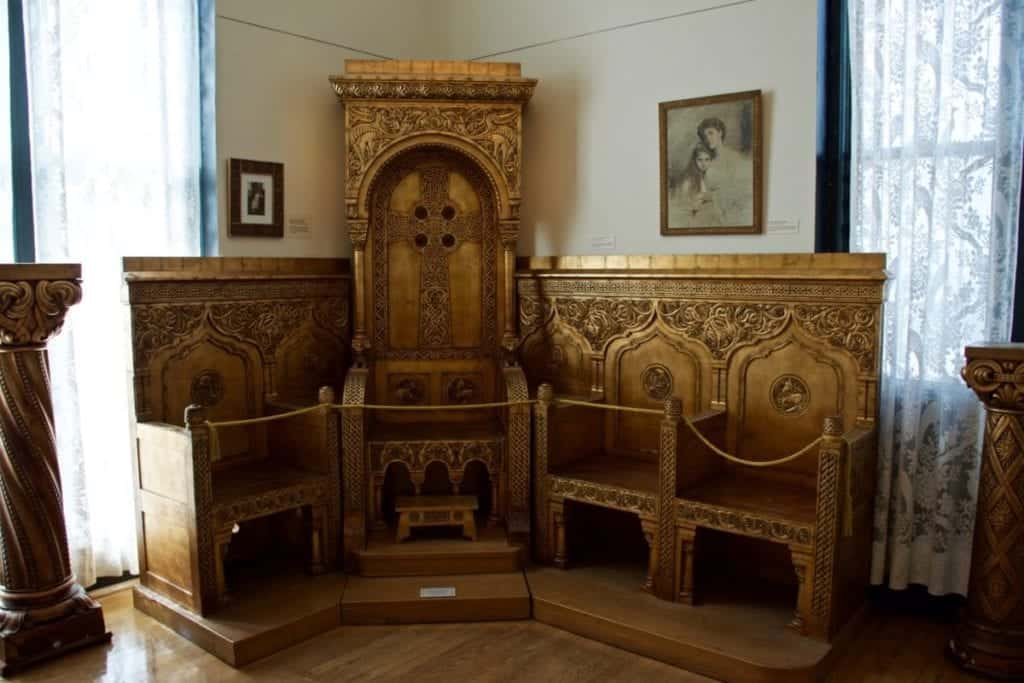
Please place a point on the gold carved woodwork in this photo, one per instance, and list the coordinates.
(417, 455)
(599, 320)
(436, 229)
(226, 339)
(432, 194)
(494, 129)
(748, 524)
(723, 326)
(560, 488)
(760, 358)
(990, 637)
(44, 612)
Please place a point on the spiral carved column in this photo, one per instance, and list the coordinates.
(990, 637)
(44, 612)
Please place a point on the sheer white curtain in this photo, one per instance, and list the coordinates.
(936, 168)
(114, 100)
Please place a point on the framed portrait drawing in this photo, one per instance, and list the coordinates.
(711, 165)
(256, 198)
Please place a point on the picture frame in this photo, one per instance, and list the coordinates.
(711, 165)
(255, 198)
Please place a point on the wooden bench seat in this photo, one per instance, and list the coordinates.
(622, 470)
(744, 490)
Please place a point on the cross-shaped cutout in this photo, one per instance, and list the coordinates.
(435, 229)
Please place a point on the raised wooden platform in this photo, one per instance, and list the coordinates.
(397, 600)
(489, 554)
(269, 615)
(726, 639)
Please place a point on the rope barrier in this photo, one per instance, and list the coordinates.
(607, 406)
(741, 461)
(460, 406)
(215, 439)
(689, 423)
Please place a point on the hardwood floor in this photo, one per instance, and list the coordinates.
(891, 648)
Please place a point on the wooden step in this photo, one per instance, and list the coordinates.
(266, 615)
(732, 638)
(397, 599)
(490, 554)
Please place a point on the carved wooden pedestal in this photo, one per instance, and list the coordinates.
(990, 638)
(44, 612)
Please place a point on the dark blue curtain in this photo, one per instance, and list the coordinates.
(832, 210)
(21, 152)
(207, 15)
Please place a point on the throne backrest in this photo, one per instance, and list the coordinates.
(433, 161)
(433, 261)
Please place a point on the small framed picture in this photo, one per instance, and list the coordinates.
(256, 198)
(711, 165)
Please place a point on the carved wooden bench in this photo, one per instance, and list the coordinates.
(762, 351)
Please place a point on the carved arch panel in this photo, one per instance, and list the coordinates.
(306, 360)
(223, 374)
(645, 369)
(780, 391)
(550, 354)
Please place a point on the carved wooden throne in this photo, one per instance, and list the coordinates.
(432, 193)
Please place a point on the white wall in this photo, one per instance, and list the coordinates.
(591, 142)
(274, 102)
(591, 129)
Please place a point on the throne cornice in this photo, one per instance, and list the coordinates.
(432, 80)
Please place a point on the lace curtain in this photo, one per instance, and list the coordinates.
(114, 100)
(936, 169)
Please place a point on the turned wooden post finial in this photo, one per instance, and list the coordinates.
(326, 395)
(195, 415)
(673, 408)
(545, 393)
(832, 426)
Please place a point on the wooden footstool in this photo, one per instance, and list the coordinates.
(435, 511)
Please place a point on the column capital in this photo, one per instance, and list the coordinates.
(357, 231)
(34, 299)
(508, 232)
(995, 372)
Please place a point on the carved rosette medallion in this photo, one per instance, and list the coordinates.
(657, 382)
(789, 395)
(462, 390)
(990, 638)
(409, 391)
(207, 388)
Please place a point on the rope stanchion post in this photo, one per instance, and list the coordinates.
(331, 551)
(834, 447)
(541, 417)
(662, 559)
(198, 427)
